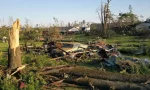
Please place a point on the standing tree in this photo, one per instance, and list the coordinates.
(104, 16)
(14, 56)
(4, 31)
(26, 33)
(10, 20)
(127, 19)
(53, 33)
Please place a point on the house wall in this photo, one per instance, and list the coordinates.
(143, 26)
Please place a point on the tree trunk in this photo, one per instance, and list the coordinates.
(106, 84)
(14, 55)
(97, 74)
(81, 71)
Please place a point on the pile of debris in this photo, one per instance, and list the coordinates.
(109, 54)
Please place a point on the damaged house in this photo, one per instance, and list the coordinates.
(143, 25)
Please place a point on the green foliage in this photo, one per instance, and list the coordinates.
(135, 69)
(142, 32)
(128, 50)
(33, 81)
(3, 47)
(53, 34)
(40, 60)
(111, 33)
(3, 59)
(4, 31)
(144, 69)
(148, 51)
(29, 35)
(8, 84)
(81, 38)
(128, 17)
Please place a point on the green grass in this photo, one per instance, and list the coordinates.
(80, 38)
(3, 47)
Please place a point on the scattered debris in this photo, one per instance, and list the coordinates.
(18, 69)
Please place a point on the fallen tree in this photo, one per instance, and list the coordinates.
(97, 74)
(106, 84)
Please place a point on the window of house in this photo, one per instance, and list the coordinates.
(149, 27)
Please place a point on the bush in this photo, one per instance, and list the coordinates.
(111, 33)
(143, 32)
(3, 59)
(40, 60)
(33, 81)
(128, 50)
(8, 84)
(148, 50)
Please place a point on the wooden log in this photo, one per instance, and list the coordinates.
(14, 54)
(105, 75)
(54, 70)
(56, 67)
(112, 76)
(56, 83)
(107, 85)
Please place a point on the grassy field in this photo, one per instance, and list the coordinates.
(118, 39)
(3, 47)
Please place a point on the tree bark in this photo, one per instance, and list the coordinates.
(97, 74)
(14, 54)
(106, 84)
(112, 76)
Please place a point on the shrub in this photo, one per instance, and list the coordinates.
(143, 32)
(111, 33)
(148, 50)
(128, 50)
(3, 59)
(8, 84)
(41, 60)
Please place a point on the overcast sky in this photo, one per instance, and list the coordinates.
(43, 11)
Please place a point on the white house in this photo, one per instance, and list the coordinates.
(74, 29)
(144, 25)
(87, 29)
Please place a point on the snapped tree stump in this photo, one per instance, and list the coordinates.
(14, 55)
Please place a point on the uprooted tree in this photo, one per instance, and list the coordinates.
(14, 55)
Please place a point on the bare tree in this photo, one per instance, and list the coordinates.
(56, 21)
(26, 32)
(27, 24)
(10, 20)
(104, 16)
